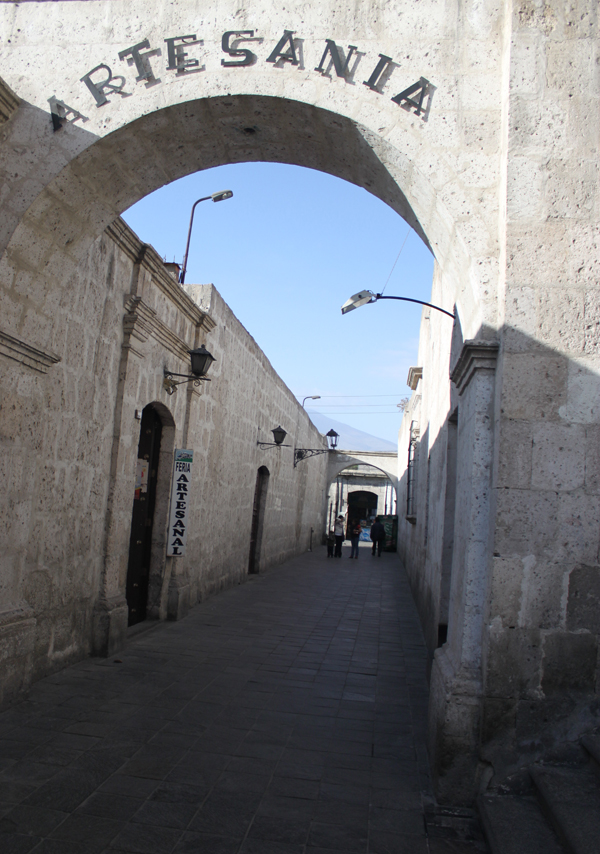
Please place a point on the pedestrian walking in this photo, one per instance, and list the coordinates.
(355, 529)
(338, 532)
(377, 536)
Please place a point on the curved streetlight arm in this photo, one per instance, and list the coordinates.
(420, 301)
(216, 197)
(187, 245)
(311, 397)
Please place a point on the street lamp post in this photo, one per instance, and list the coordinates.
(216, 197)
(365, 297)
(311, 397)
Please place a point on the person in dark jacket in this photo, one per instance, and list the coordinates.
(377, 536)
(354, 531)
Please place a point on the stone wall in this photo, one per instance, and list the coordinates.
(69, 437)
(541, 677)
(504, 546)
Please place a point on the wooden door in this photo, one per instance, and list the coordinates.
(140, 543)
(258, 510)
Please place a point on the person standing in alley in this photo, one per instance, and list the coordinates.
(355, 529)
(377, 536)
(338, 532)
(330, 543)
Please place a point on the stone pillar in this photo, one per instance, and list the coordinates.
(456, 678)
(111, 612)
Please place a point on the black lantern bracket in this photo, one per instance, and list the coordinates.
(305, 453)
(201, 360)
(170, 385)
(279, 435)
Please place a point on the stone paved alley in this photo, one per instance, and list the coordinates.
(285, 716)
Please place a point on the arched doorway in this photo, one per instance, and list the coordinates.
(362, 505)
(258, 517)
(144, 578)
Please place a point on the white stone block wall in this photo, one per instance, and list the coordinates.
(69, 450)
(519, 671)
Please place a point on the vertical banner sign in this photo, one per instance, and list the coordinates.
(178, 518)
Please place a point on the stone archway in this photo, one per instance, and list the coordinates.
(117, 142)
(506, 87)
(77, 176)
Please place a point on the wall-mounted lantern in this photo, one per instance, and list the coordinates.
(279, 435)
(200, 360)
(333, 439)
(304, 453)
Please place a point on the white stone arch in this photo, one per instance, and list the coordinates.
(75, 181)
(384, 462)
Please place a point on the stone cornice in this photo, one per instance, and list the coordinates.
(389, 454)
(414, 375)
(22, 352)
(9, 102)
(141, 322)
(474, 356)
(148, 257)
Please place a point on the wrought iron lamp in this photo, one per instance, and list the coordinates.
(201, 360)
(304, 453)
(279, 435)
(365, 297)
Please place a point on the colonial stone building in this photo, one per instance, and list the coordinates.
(478, 122)
(89, 433)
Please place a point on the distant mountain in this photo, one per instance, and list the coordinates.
(350, 439)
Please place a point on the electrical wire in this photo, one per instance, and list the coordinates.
(396, 261)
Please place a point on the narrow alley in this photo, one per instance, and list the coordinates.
(285, 716)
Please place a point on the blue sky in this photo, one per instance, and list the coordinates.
(285, 252)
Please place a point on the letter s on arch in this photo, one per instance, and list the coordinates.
(246, 56)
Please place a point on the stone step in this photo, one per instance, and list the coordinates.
(570, 800)
(514, 824)
(453, 830)
(591, 744)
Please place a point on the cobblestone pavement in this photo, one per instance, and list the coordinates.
(285, 716)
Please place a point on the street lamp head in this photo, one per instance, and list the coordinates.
(355, 301)
(220, 197)
(333, 439)
(311, 397)
(201, 361)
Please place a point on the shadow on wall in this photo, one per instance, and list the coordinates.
(532, 594)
